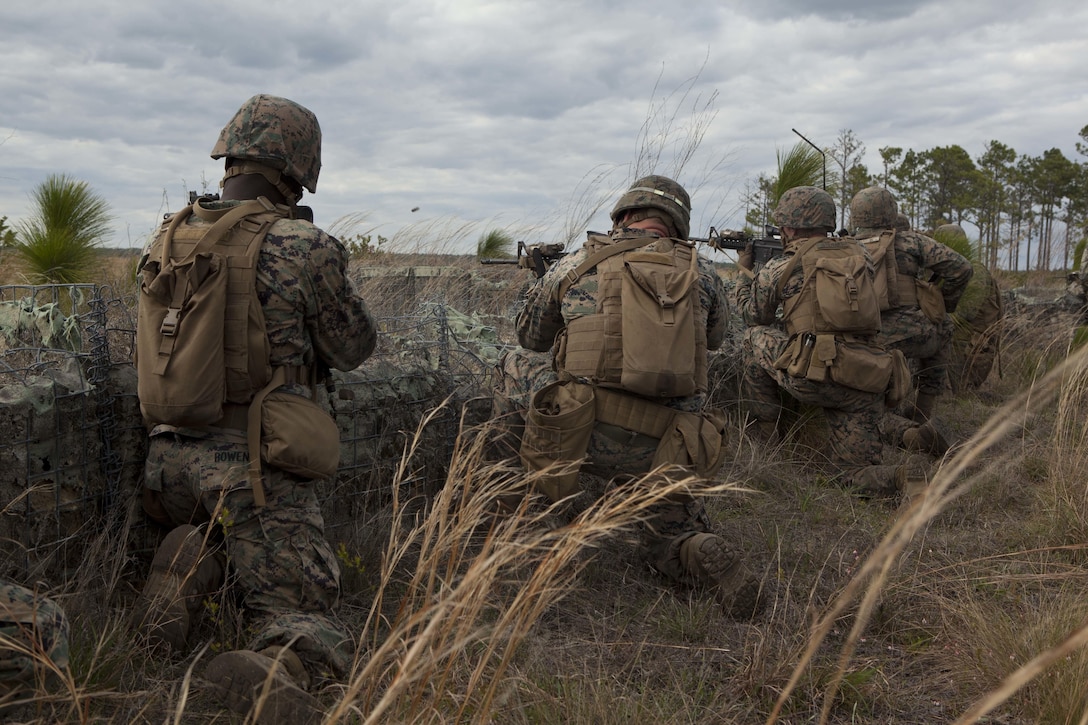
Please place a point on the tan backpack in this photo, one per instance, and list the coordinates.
(644, 339)
(200, 332)
(831, 321)
(838, 294)
(886, 278)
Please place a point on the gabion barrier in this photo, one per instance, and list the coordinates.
(72, 442)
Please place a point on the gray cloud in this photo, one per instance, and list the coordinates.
(507, 113)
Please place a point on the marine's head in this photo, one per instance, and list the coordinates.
(655, 197)
(806, 208)
(873, 208)
(274, 137)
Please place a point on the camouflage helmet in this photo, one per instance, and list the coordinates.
(952, 232)
(277, 133)
(873, 208)
(806, 207)
(657, 192)
(902, 222)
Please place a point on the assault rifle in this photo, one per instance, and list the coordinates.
(763, 248)
(537, 257)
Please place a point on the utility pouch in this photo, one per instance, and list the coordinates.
(930, 300)
(825, 350)
(298, 436)
(558, 425)
(862, 368)
(797, 356)
(694, 441)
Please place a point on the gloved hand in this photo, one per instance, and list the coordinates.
(746, 257)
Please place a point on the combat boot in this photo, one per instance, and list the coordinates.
(924, 405)
(925, 439)
(765, 432)
(267, 685)
(912, 481)
(183, 573)
(709, 559)
(872, 482)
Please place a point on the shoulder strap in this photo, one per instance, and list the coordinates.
(599, 256)
(787, 271)
(224, 221)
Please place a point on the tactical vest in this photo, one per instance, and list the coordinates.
(646, 337)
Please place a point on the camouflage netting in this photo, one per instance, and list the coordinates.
(72, 442)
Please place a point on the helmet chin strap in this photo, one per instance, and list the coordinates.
(272, 176)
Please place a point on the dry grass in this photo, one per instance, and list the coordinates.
(966, 608)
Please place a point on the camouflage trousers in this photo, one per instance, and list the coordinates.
(278, 560)
(853, 417)
(927, 344)
(614, 453)
(32, 627)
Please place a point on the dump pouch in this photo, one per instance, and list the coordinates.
(694, 441)
(901, 381)
(558, 425)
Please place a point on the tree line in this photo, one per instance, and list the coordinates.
(1031, 211)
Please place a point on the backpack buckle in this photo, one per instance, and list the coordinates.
(170, 323)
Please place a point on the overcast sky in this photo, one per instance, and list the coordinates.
(519, 114)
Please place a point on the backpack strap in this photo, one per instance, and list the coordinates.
(599, 256)
(787, 271)
(219, 229)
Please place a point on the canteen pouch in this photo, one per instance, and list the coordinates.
(694, 441)
(298, 436)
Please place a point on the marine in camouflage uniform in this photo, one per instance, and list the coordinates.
(906, 327)
(853, 416)
(658, 207)
(31, 627)
(277, 557)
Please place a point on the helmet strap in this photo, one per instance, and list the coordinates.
(272, 176)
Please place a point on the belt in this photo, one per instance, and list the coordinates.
(626, 437)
